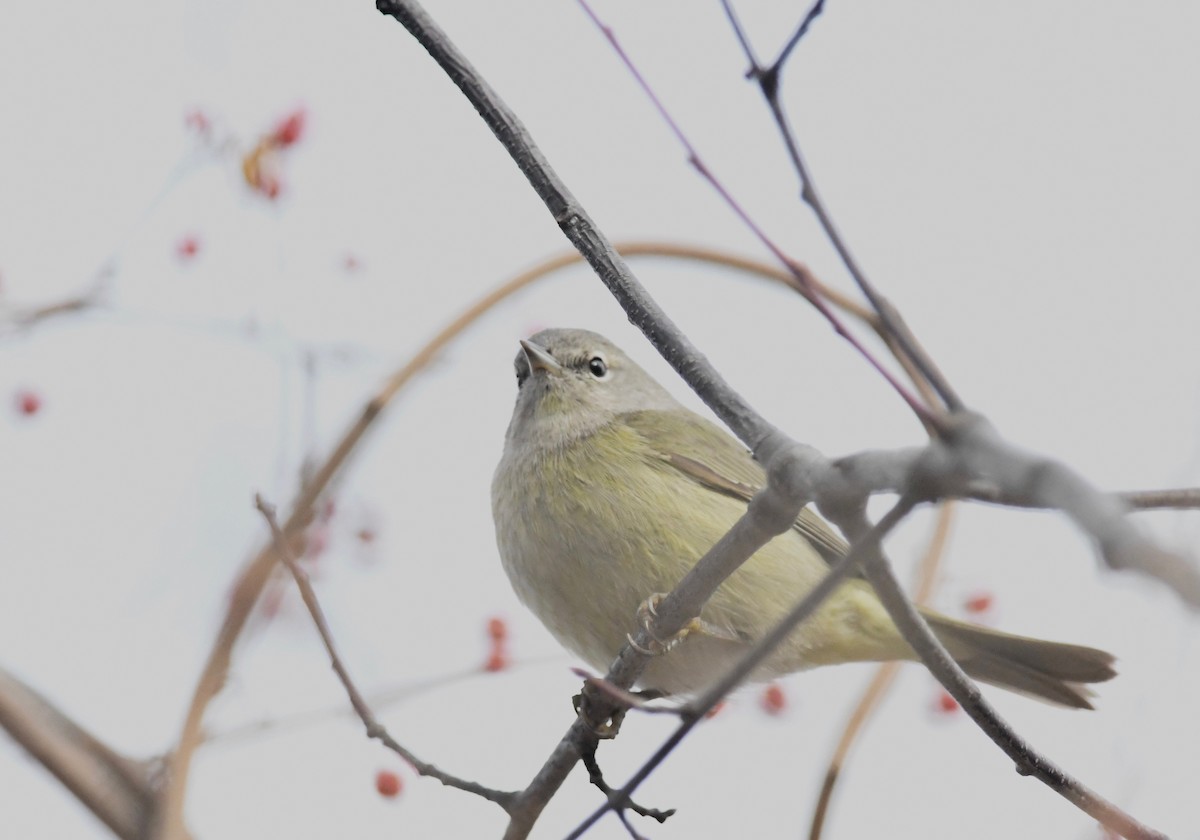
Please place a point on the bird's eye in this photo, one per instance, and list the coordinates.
(598, 367)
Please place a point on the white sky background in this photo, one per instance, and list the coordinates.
(1021, 180)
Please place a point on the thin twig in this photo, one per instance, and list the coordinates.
(257, 572)
(1183, 498)
(768, 82)
(375, 729)
(885, 675)
(379, 699)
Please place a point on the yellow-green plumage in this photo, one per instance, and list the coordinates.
(609, 491)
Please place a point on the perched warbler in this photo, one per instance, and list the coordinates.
(609, 491)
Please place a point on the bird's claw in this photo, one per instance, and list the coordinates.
(647, 613)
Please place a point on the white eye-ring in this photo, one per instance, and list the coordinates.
(598, 367)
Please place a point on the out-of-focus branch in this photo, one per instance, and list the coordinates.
(375, 729)
(15, 319)
(1029, 762)
(885, 675)
(120, 791)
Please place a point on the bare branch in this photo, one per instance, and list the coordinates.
(375, 729)
(768, 82)
(1184, 498)
(119, 791)
(972, 461)
(13, 319)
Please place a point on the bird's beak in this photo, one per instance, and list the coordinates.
(539, 358)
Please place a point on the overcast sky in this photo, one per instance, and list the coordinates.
(1020, 179)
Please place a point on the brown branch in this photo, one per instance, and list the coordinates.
(16, 319)
(118, 790)
(375, 729)
(1183, 498)
(885, 675)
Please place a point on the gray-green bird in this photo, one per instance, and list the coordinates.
(610, 490)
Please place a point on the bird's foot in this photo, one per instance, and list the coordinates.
(648, 612)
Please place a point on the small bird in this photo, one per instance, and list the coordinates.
(609, 491)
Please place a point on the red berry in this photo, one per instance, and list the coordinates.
(290, 129)
(388, 784)
(715, 710)
(351, 263)
(946, 704)
(497, 660)
(365, 535)
(497, 629)
(773, 700)
(187, 247)
(198, 121)
(270, 185)
(979, 602)
(28, 403)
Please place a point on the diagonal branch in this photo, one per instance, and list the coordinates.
(119, 791)
(1029, 762)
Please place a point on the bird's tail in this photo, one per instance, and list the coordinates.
(1051, 671)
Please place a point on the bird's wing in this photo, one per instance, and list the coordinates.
(705, 454)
